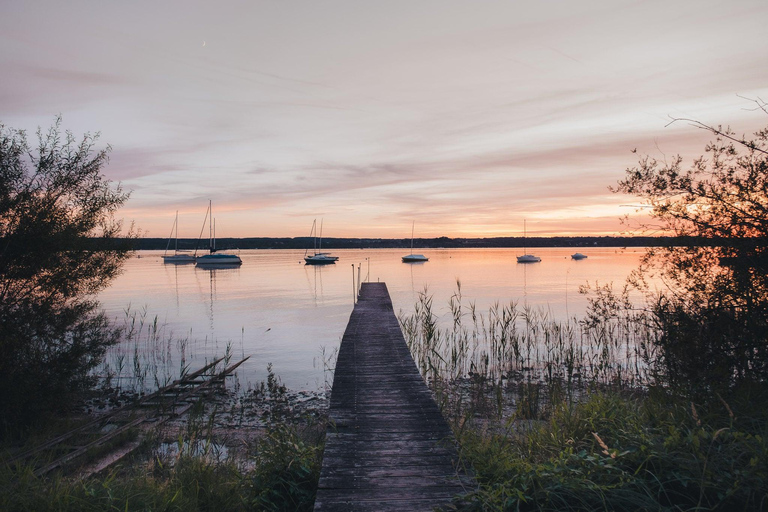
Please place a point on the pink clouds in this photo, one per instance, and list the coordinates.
(465, 117)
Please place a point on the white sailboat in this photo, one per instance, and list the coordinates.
(213, 259)
(578, 256)
(319, 257)
(176, 257)
(527, 258)
(414, 258)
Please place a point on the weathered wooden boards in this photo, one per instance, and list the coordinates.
(388, 446)
(154, 409)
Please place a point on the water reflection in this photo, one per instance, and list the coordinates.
(314, 274)
(211, 273)
(179, 262)
(525, 284)
(412, 270)
(285, 313)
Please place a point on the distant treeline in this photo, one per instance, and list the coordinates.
(431, 243)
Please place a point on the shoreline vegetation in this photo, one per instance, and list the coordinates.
(658, 405)
(548, 415)
(446, 242)
(576, 415)
(238, 446)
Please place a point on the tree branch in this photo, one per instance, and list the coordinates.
(716, 131)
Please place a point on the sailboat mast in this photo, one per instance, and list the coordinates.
(210, 226)
(320, 245)
(168, 245)
(311, 233)
(525, 249)
(413, 226)
(176, 223)
(202, 229)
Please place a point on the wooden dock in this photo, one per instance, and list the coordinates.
(388, 447)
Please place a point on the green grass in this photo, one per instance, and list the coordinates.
(611, 452)
(277, 471)
(549, 417)
(566, 416)
(517, 358)
(287, 472)
(282, 476)
(192, 484)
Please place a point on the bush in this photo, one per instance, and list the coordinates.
(617, 453)
(287, 471)
(59, 245)
(714, 314)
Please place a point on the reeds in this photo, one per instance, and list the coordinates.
(516, 359)
(197, 468)
(570, 415)
(611, 451)
(146, 358)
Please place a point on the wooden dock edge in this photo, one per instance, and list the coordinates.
(388, 446)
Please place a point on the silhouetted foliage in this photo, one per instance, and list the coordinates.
(714, 312)
(53, 203)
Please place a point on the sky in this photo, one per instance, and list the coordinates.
(465, 117)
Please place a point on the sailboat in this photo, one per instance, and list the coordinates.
(414, 258)
(527, 258)
(176, 257)
(318, 258)
(212, 258)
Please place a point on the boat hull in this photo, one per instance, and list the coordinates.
(578, 256)
(528, 258)
(415, 258)
(320, 259)
(219, 259)
(179, 258)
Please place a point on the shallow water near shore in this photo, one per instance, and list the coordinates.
(280, 311)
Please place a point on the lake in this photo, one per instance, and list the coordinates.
(280, 311)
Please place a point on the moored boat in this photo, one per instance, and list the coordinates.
(214, 259)
(318, 257)
(177, 256)
(414, 258)
(527, 258)
(219, 259)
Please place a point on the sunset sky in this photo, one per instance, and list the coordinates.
(463, 116)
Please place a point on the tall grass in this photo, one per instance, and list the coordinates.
(277, 470)
(146, 357)
(519, 358)
(613, 452)
(149, 356)
(572, 415)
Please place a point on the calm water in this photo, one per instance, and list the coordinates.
(282, 312)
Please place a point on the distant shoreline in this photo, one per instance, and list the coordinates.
(428, 243)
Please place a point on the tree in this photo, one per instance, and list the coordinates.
(713, 314)
(59, 246)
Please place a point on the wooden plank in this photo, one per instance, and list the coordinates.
(388, 447)
(360, 504)
(102, 419)
(349, 465)
(177, 404)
